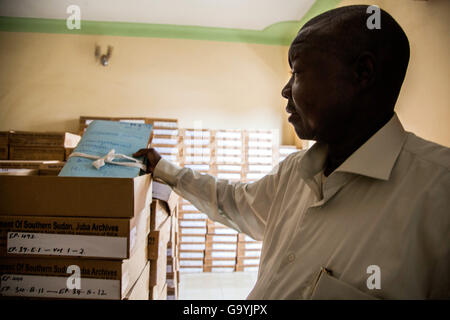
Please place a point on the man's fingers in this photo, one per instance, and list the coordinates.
(140, 153)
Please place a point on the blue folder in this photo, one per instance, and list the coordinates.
(100, 137)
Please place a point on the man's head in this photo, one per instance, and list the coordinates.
(345, 75)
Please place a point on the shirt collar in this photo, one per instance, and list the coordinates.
(375, 158)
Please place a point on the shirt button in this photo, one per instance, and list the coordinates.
(291, 257)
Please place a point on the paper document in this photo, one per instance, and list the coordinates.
(99, 139)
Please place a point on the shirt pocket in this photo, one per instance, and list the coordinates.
(327, 287)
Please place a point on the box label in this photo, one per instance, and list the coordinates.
(66, 245)
(56, 287)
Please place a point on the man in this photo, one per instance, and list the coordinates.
(364, 213)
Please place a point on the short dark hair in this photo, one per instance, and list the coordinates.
(343, 31)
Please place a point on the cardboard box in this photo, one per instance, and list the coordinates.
(176, 244)
(185, 231)
(163, 293)
(52, 165)
(172, 249)
(141, 289)
(43, 139)
(4, 137)
(49, 172)
(213, 254)
(222, 262)
(172, 263)
(159, 213)
(19, 152)
(68, 152)
(74, 196)
(164, 193)
(51, 169)
(191, 269)
(174, 230)
(242, 252)
(245, 238)
(242, 268)
(31, 164)
(192, 216)
(158, 272)
(213, 229)
(187, 254)
(191, 262)
(248, 261)
(221, 246)
(200, 223)
(218, 228)
(172, 293)
(221, 238)
(108, 238)
(158, 239)
(158, 295)
(44, 167)
(171, 267)
(173, 245)
(47, 278)
(219, 269)
(172, 279)
(251, 245)
(18, 172)
(192, 246)
(4, 152)
(193, 238)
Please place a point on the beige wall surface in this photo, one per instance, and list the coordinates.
(48, 80)
(424, 102)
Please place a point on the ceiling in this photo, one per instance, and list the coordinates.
(236, 14)
(270, 22)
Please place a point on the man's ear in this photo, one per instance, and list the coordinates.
(365, 69)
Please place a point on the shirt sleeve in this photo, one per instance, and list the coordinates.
(241, 206)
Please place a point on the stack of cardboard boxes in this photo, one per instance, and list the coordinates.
(235, 155)
(70, 237)
(221, 246)
(172, 253)
(191, 246)
(30, 167)
(228, 155)
(180, 239)
(261, 153)
(196, 153)
(35, 153)
(157, 281)
(285, 151)
(4, 145)
(173, 273)
(162, 273)
(248, 253)
(76, 224)
(228, 162)
(157, 242)
(41, 145)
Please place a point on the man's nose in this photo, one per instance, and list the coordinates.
(286, 92)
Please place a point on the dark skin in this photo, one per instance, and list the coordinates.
(332, 101)
(151, 155)
(338, 103)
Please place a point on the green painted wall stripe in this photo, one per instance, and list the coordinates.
(281, 33)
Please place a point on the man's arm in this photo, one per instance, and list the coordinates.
(241, 206)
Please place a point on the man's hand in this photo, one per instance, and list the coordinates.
(151, 158)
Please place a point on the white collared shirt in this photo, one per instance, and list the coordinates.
(379, 229)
